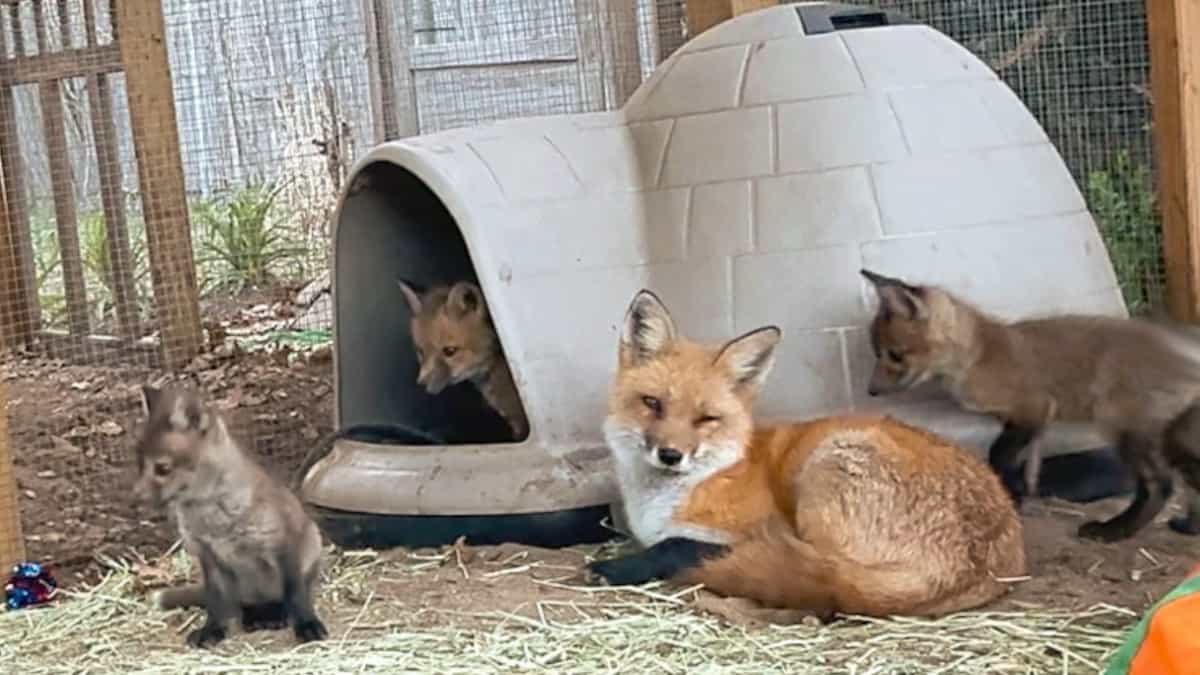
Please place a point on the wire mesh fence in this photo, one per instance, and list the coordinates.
(1083, 70)
(174, 223)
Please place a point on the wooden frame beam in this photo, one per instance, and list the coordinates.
(141, 35)
(1174, 35)
(12, 541)
(704, 14)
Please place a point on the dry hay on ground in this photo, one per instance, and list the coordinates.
(511, 609)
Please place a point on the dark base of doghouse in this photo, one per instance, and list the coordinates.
(554, 529)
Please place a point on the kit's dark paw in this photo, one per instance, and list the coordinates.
(1013, 480)
(264, 617)
(1184, 525)
(311, 630)
(206, 636)
(1107, 532)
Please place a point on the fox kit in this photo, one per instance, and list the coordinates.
(258, 550)
(860, 514)
(1139, 383)
(456, 342)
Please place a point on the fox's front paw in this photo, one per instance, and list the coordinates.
(206, 636)
(628, 571)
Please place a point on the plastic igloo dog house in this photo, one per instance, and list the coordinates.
(746, 182)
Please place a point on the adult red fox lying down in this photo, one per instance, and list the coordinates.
(851, 514)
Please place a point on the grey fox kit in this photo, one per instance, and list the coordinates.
(258, 550)
(1138, 382)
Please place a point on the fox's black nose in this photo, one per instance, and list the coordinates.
(669, 456)
(872, 391)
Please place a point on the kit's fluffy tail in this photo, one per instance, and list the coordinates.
(181, 597)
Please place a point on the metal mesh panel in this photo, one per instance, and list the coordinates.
(1083, 70)
(166, 202)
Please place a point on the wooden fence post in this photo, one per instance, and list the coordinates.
(1174, 35)
(140, 33)
(12, 542)
(742, 6)
(704, 14)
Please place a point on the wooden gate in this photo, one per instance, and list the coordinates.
(441, 64)
(61, 47)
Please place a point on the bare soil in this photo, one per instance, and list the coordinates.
(73, 427)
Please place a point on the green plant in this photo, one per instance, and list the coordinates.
(238, 232)
(1121, 196)
(97, 261)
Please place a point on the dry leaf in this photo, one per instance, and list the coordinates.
(111, 428)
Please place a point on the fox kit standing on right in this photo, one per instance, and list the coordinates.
(1139, 383)
(258, 550)
(455, 341)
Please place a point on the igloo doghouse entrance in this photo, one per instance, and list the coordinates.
(747, 182)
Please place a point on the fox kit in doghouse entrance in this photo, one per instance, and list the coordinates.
(455, 342)
(861, 514)
(258, 550)
(1139, 383)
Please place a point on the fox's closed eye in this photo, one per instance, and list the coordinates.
(707, 419)
(653, 404)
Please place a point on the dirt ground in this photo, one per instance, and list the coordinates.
(72, 430)
(1065, 572)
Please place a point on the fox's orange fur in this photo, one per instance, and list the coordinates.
(455, 341)
(851, 514)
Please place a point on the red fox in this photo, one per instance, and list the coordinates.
(456, 342)
(258, 550)
(849, 514)
(1138, 382)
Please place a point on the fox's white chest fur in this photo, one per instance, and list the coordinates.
(651, 496)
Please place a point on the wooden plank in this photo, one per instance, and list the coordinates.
(99, 350)
(25, 301)
(76, 62)
(148, 86)
(704, 14)
(12, 298)
(404, 81)
(374, 78)
(739, 7)
(1174, 32)
(589, 50)
(493, 51)
(112, 198)
(619, 44)
(62, 185)
(387, 73)
(12, 541)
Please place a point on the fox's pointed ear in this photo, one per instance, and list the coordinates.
(465, 298)
(649, 329)
(750, 357)
(190, 413)
(412, 294)
(151, 397)
(898, 297)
